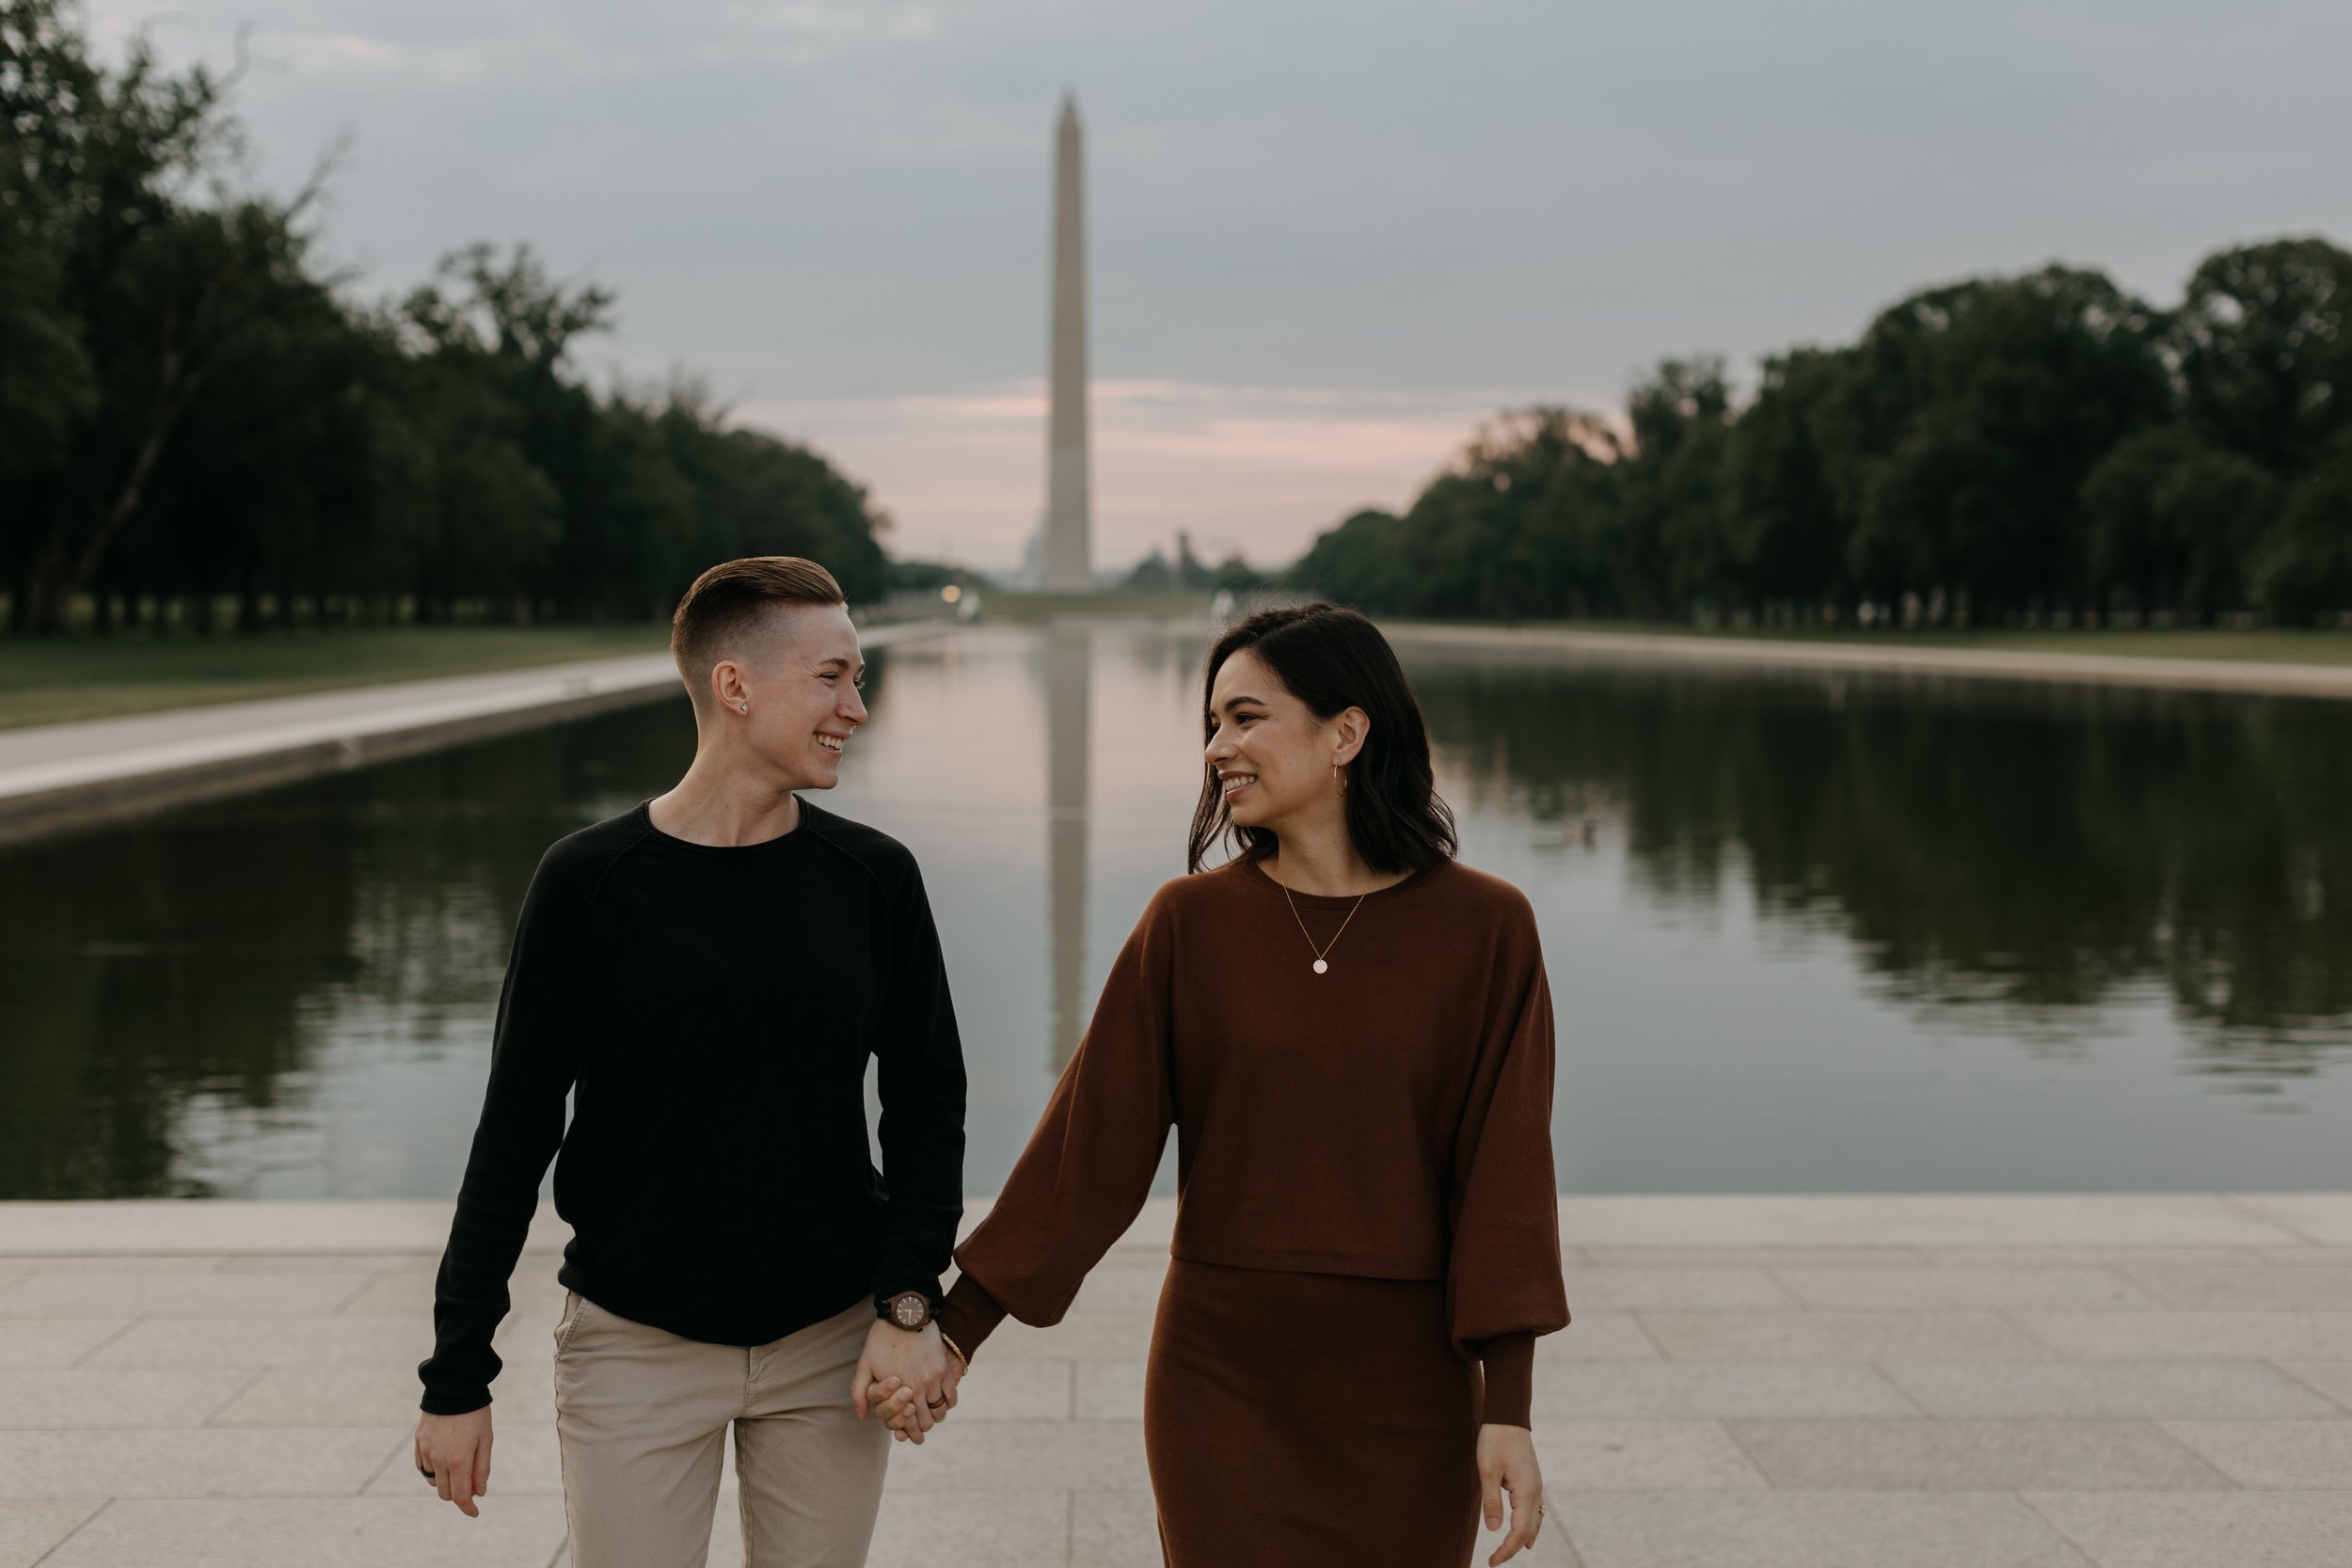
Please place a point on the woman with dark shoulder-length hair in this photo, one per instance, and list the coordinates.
(1351, 1034)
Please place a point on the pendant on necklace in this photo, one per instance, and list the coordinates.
(1321, 967)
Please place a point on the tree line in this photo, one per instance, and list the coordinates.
(2044, 449)
(194, 413)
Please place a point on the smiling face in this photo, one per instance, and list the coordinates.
(795, 692)
(1272, 756)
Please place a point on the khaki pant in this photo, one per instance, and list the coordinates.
(642, 1417)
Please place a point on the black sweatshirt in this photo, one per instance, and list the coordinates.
(711, 1010)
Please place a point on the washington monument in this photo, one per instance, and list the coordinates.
(1069, 508)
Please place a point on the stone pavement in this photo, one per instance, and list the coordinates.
(2130, 1382)
(1896, 655)
(55, 776)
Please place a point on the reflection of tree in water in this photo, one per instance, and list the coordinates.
(202, 958)
(195, 958)
(2038, 849)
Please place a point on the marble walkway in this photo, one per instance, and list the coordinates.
(2130, 1382)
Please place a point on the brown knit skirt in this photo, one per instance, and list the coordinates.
(1302, 1418)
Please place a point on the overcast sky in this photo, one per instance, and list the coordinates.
(1326, 235)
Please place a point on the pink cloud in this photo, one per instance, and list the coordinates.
(1259, 470)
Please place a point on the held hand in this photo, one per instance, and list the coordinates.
(1507, 1462)
(897, 1410)
(453, 1457)
(924, 1379)
(898, 1404)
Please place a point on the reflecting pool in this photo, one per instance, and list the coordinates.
(1807, 931)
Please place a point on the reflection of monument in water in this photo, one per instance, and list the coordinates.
(1069, 692)
(1064, 557)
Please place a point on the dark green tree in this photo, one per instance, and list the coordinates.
(2265, 339)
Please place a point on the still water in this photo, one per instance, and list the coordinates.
(1807, 931)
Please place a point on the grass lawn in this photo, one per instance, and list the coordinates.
(45, 681)
(2331, 646)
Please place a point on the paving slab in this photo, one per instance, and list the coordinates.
(1701, 1289)
(2110, 1256)
(148, 1294)
(983, 1456)
(2291, 1456)
(2288, 1289)
(1123, 1285)
(1972, 1456)
(1599, 1337)
(426, 1264)
(2308, 1257)
(1819, 1336)
(1021, 1390)
(166, 1343)
(2204, 1530)
(1915, 1220)
(2323, 1219)
(55, 1342)
(1107, 1391)
(2333, 1379)
(58, 1398)
(2106, 1391)
(28, 1530)
(1942, 1288)
(1639, 1256)
(1643, 1456)
(1020, 1528)
(1109, 1531)
(1094, 1337)
(1687, 1391)
(177, 1463)
(1811, 1530)
(314, 1532)
(364, 1396)
(2192, 1336)
(163, 1228)
(127, 1262)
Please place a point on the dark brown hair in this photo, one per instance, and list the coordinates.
(1333, 659)
(728, 601)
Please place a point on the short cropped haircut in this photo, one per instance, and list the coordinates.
(728, 601)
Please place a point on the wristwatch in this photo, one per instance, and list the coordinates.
(908, 1309)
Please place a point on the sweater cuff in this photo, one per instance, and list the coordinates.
(452, 1405)
(1510, 1366)
(969, 1315)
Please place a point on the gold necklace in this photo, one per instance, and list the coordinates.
(1321, 967)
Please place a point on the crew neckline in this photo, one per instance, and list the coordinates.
(1322, 901)
(671, 841)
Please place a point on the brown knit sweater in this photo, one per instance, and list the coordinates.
(1390, 1118)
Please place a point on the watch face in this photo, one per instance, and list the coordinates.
(911, 1311)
